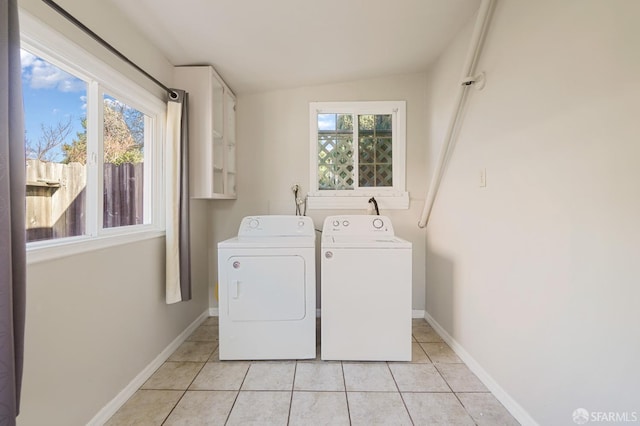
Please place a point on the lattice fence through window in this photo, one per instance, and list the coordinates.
(375, 150)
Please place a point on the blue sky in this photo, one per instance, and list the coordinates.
(51, 96)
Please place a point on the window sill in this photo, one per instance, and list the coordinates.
(318, 200)
(55, 249)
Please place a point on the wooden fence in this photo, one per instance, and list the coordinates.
(56, 198)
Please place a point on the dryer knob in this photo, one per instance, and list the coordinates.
(328, 255)
(336, 223)
(253, 223)
(236, 265)
(378, 223)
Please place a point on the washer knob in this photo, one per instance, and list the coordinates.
(253, 223)
(336, 223)
(300, 223)
(345, 223)
(378, 223)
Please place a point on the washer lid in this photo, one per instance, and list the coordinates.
(268, 242)
(359, 241)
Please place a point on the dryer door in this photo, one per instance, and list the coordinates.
(266, 288)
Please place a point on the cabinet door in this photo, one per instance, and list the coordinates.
(212, 132)
(230, 139)
(217, 107)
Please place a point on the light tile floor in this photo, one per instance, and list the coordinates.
(194, 388)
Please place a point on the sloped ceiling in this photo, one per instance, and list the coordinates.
(259, 45)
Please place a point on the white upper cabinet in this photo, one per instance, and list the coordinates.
(212, 132)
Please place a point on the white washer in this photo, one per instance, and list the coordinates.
(267, 290)
(365, 290)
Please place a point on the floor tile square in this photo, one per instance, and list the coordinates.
(202, 408)
(194, 351)
(436, 409)
(486, 409)
(440, 352)
(319, 408)
(312, 376)
(260, 408)
(425, 334)
(221, 376)
(460, 378)
(368, 377)
(173, 375)
(418, 378)
(270, 376)
(377, 408)
(205, 333)
(211, 321)
(146, 407)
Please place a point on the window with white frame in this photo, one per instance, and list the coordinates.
(358, 152)
(93, 144)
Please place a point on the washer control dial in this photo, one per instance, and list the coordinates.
(378, 223)
(253, 223)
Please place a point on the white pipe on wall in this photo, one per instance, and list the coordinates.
(468, 78)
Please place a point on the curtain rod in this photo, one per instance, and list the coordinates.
(69, 17)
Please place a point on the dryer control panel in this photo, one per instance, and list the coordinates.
(276, 226)
(357, 225)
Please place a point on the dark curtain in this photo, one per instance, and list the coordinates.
(12, 215)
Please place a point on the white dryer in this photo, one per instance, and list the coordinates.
(365, 290)
(267, 290)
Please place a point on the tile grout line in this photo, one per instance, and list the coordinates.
(404, 404)
(237, 394)
(188, 386)
(293, 385)
(445, 380)
(346, 394)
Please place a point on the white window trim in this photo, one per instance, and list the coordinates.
(38, 37)
(394, 197)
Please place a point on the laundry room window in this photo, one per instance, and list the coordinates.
(358, 152)
(94, 150)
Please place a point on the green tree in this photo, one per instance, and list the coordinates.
(123, 136)
(76, 152)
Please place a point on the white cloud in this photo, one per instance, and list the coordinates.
(43, 75)
(26, 59)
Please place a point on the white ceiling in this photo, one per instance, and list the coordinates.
(259, 45)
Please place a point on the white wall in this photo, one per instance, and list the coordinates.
(96, 320)
(536, 276)
(273, 143)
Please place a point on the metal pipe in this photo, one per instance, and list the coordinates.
(468, 79)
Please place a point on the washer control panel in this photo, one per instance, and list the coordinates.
(353, 225)
(276, 226)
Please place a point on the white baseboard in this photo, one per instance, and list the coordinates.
(114, 405)
(501, 395)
